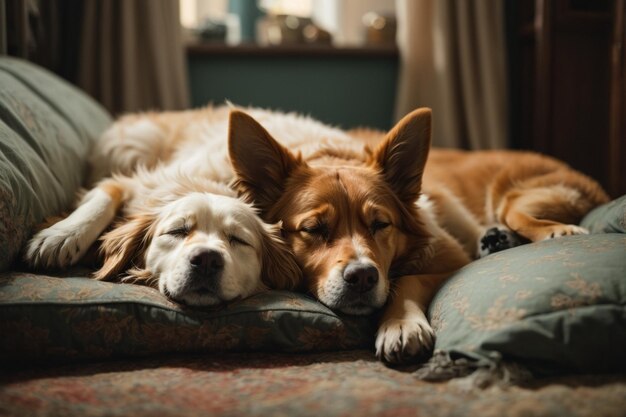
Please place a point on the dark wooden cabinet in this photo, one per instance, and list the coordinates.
(618, 101)
(567, 84)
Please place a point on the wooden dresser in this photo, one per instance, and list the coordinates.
(567, 66)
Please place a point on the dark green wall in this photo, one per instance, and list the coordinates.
(345, 91)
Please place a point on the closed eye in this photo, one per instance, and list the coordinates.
(235, 240)
(378, 225)
(178, 231)
(319, 229)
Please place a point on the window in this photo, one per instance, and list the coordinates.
(343, 19)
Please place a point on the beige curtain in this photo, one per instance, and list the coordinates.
(453, 60)
(132, 56)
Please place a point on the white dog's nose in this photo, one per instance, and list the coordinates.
(207, 262)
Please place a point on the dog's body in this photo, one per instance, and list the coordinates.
(354, 218)
(364, 236)
(351, 218)
(171, 225)
(195, 141)
(482, 195)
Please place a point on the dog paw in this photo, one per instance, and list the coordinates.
(554, 232)
(400, 340)
(58, 246)
(496, 239)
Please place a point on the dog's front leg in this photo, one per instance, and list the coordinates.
(404, 332)
(65, 242)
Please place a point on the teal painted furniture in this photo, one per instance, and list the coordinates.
(344, 87)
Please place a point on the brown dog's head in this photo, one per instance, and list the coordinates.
(352, 226)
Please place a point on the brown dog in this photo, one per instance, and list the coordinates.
(352, 221)
(363, 235)
(493, 200)
(351, 215)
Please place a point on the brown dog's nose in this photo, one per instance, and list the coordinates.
(360, 277)
(207, 262)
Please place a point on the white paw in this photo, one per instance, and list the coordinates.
(564, 230)
(61, 245)
(64, 243)
(399, 340)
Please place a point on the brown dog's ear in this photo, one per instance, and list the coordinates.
(280, 271)
(401, 156)
(123, 249)
(261, 164)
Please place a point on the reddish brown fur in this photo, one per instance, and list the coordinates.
(362, 196)
(346, 191)
(536, 196)
(279, 270)
(527, 192)
(124, 246)
(520, 190)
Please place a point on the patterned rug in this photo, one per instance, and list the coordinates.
(350, 383)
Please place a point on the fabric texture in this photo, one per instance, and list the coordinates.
(76, 317)
(453, 59)
(552, 306)
(331, 384)
(127, 69)
(608, 218)
(46, 129)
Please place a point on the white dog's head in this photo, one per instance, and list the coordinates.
(202, 249)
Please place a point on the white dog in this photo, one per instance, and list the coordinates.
(172, 225)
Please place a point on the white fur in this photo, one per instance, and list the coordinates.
(398, 339)
(168, 163)
(332, 292)
(65, 242)
(213, 219)
(125, 146)
(566, 230)
(209, 209)
(203, 149)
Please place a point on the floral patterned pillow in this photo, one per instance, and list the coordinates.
(46, 128)
(76, 317)
(608, 218)
(552, 306)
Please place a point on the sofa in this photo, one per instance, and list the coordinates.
(535, 330)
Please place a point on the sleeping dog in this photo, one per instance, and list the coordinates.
(385, 227)
(371, 227)
(356, 223)
(166, 224)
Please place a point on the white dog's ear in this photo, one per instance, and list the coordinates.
(261, 164)
(123, 250)
(402, 155)
(280, 271)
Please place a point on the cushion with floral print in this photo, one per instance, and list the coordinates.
(74, 317)
(46, 129)
(552, 306)
(608, 218)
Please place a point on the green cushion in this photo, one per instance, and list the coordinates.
(608, 218)
(46, 129)
(557, 305)
(76, 317)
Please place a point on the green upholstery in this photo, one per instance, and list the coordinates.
(46, 129)
(76, 317)
(557, 305)
(608, 218)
